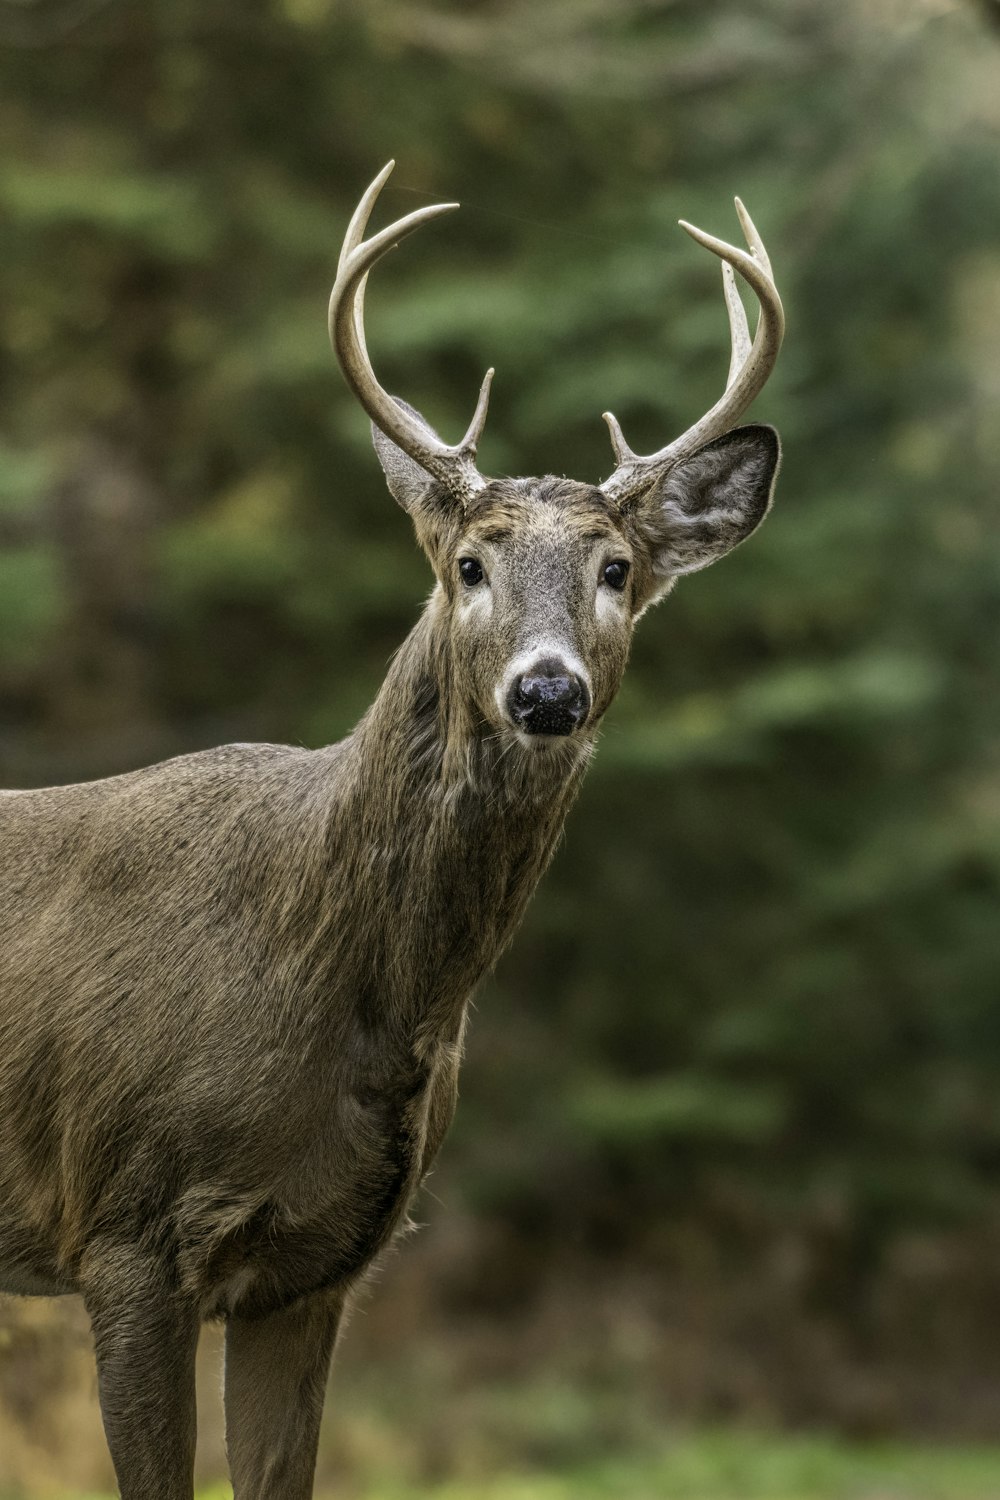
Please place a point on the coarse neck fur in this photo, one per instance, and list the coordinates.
(452, 825)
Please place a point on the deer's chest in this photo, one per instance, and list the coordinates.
(344, 1201)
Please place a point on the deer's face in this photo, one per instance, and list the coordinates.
(542, 580)
(540, 592)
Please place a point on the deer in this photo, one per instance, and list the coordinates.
(234, 985)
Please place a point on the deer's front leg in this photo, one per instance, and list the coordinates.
(145, 1337)
(276, 1371)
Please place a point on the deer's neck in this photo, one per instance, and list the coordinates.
(443, 829)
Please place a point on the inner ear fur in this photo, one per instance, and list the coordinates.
(408, 481)
(710, 502)
(436, 514)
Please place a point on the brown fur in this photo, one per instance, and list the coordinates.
(233, 986)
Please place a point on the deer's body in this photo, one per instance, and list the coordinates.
(234, 990)
(233, 986)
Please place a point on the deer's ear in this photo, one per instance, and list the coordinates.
(709, 503)
(408, 481)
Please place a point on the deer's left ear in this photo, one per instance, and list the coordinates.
(709, 503)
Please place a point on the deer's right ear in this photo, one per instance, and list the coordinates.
(408, 481)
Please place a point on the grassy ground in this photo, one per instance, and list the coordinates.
(728, 1466)
(450, 1422)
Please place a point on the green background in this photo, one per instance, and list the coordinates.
(730, 1128)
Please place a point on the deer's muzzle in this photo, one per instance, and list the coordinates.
(548, 699)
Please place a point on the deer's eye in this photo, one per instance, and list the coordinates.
(471, 571)
(615, 574)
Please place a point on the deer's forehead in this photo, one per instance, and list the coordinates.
(534, 516)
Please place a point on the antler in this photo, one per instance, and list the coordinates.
(455, 467)
(749, 367)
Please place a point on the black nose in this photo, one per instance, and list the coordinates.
(548, 700)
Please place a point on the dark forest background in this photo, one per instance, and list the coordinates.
(729, 1139)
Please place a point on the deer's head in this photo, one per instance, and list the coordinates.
(541, 580)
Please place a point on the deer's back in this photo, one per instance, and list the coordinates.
(110, 890)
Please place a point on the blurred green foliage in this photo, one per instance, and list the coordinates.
(761, 984)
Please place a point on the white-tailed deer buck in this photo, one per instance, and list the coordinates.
(233, 986)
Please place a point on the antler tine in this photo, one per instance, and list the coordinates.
(474, 431)
(739, 331)
(359, 219)
(470, 442)
(749, 367)
(623, 453)
(454, 466)
(752, 237)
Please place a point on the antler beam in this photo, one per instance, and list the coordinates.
(749, 367)
(455, 467)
